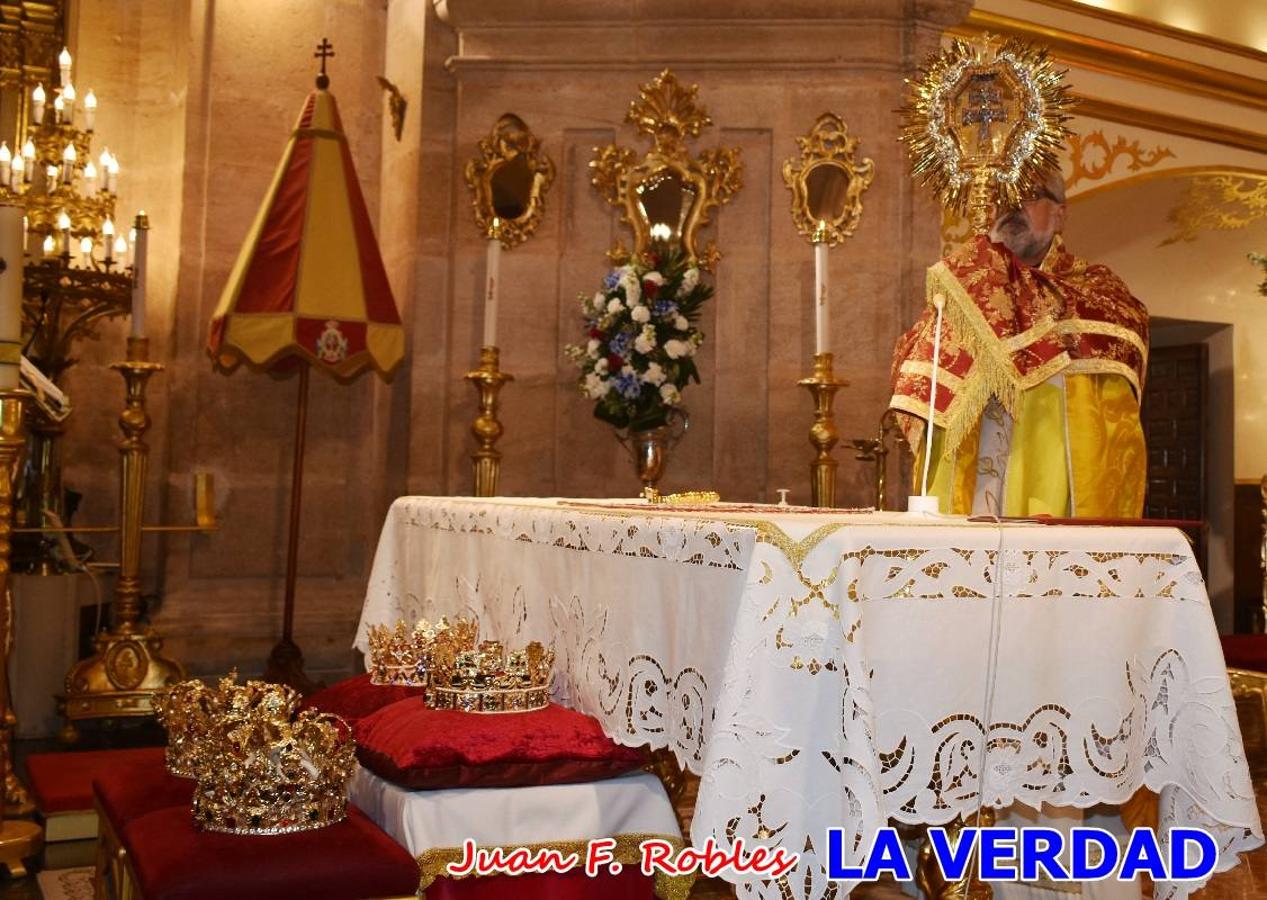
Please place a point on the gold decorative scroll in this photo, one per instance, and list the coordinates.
(1218, 203)
(827, 182)
(1102, 156)
(508, 182)
(666, 197)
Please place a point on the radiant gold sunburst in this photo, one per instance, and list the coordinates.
(985, 123)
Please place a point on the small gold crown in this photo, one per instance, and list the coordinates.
(489, 680)
(404, 655)
(275, 772)
(191, 711)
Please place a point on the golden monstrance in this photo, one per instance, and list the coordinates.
(985, 124)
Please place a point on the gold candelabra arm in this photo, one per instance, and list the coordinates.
(823, 435)
(487, 428)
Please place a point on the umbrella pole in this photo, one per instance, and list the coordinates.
(286, 662)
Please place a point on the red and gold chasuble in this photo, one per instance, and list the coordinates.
(1058, 353)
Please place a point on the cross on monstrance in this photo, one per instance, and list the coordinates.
(325, 50)
(984, 106)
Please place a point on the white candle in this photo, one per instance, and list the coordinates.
(63, 65)
(38, 99)
(138, 275)
(28, 154)
(18, 173)
(10, 296)
(68, 102)
(820, 297)
(112, 174)
(492, 266)
(90, 177)
(90, 110)
(63, 223)
(107, 239)
(6, 163)
(68, 163)
(85, 251)
(121, 248)
(49, 247)
(59, 109)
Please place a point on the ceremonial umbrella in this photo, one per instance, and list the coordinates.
(308, 291)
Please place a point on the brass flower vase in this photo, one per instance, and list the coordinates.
(650, 447)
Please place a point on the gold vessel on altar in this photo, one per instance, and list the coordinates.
(649, 447)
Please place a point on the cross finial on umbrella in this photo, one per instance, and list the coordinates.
(325, 50)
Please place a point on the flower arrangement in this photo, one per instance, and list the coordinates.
(642, 340)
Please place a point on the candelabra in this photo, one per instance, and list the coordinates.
(128, 667)
(822, 434)
(78, 271)
(19, 840)
(486, 460)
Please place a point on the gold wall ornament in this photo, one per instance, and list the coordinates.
(984, 124)
(1218, 203)
(396, 106)
(1099, 162)
(827, 182)
(667, 196)
(508, 182)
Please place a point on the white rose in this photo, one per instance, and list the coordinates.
(680, 323)
(653, 277)
(601, 366)
(654, 374)
(595, 387)
(669, 394)
(626, 369)
(615, 306)
(644, 345)
(641, 314)
(690, 278)
(592, 348)
(676, 349)
(633, 290)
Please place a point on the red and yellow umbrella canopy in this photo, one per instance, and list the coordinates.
(309, 284)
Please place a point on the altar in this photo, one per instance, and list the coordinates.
(849, 668)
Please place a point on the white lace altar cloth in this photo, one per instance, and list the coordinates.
(839, 670)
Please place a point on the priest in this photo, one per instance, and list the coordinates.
(1041, 366)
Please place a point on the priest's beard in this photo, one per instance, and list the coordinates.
(1016, 232)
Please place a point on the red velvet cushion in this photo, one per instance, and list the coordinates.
(62, 782)
(630, 884)
(1245, 651)
(355, 698)
(352, 860)
(139, 787)
(416, 747)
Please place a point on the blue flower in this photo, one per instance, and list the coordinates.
(612, 279)
(620, 343)
(664, 308)
(629, 386)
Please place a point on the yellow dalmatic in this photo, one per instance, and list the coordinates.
(1039, 375)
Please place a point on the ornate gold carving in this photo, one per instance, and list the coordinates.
(1218, 203)
(508, 182)
(827, 182)
(396, 106)
(667, 196)
(823, 435)
(985, 123)
(1104, 155)
(487, 380)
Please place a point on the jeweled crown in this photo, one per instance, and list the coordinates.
(406, 656)
(491, 680)
(275, 772)
(192, 712)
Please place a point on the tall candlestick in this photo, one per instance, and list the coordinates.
(492, 266)
(140, 244)
(10, 297)
(820, 289)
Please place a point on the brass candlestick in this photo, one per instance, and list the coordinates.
(486, 460)
(823, 435)
(19, 839)
(128, 666)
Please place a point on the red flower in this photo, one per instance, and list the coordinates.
(650, 289)
(614, 362)
(596, 334)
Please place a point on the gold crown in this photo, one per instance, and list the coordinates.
(489, 680)
(191, 712)
(275, 772)
(404, 655)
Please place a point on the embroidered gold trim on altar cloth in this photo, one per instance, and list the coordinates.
(434, 863)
